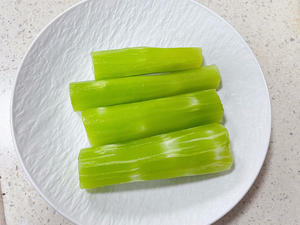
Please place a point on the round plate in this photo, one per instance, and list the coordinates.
(49, 135)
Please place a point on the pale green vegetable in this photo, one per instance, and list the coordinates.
(144, 60)
(92, 94)
(121, 123)
(194, 151)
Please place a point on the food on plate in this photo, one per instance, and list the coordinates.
(92, 94)
(150, 113)
(120, 123)
(144, 60)
(199, 150)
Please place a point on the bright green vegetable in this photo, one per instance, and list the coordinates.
(144, 60)
(92, 94)
(121, 123)
(194, 151)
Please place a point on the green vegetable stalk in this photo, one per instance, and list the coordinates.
(199, 150)
(144, 60)
(121, 123)
(92, 94)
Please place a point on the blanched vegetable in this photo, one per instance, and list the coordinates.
(92, 94)
(144, 60)
(198, 150)
(121, 123)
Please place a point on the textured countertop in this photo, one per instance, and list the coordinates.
(271, 28)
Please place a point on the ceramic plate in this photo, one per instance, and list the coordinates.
(49, 135)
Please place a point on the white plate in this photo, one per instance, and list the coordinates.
(49, 135)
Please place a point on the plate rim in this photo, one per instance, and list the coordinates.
(268, 117)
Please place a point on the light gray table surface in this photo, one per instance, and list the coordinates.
(271, 28)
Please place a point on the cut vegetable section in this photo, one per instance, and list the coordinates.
(144, 60)
(121, 123)
(92, 94)
(199, 150)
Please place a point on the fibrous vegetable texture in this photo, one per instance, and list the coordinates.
(120, 123)
(199, 150)
(151, 113)
(144, 60)
(91, 94)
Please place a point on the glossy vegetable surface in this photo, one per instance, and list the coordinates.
(121, 123)
(144, 60)
(92, 94)
(198, 150)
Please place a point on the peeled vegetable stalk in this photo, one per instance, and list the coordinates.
(199, 150)
(92, 94)
(144, 60)
(121, 123)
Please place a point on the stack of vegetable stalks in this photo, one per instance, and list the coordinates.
(151, 113)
